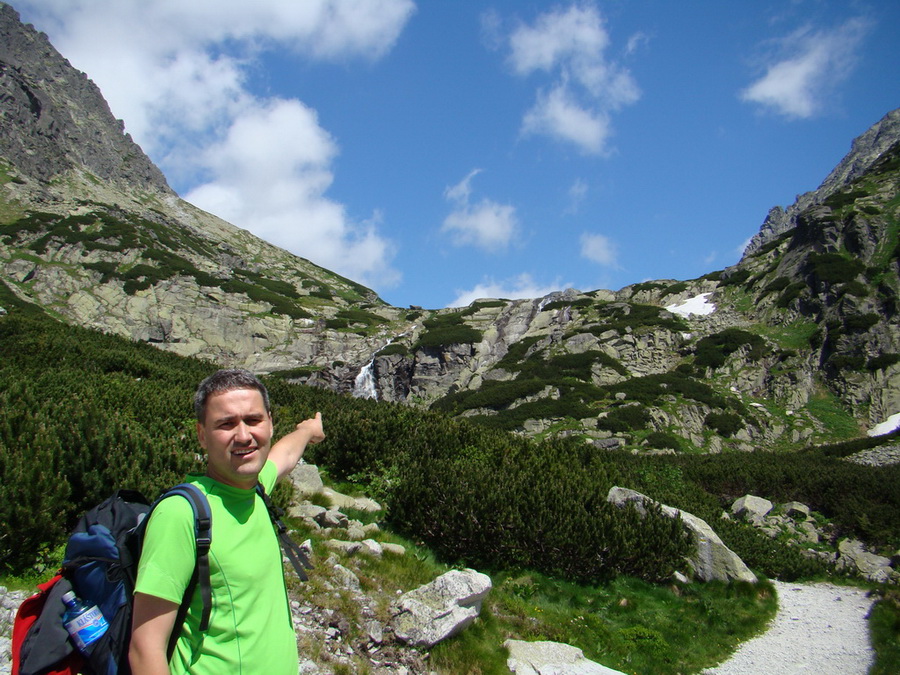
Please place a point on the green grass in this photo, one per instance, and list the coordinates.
(792, 336)
(884, 630)
(626, 625)
(838, 422)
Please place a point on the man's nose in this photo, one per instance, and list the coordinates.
(242, 433)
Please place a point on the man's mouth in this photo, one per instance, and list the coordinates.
(241, 453)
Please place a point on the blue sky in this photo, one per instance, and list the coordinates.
(441, 151)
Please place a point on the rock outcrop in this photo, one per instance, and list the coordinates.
(55, 121)
(440, 609)
(711, 559)
(551, 658)
(864, 151)
(797, 525)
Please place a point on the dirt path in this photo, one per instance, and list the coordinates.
(820, 629)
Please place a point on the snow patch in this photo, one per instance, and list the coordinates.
(892, 423)
(699, 305)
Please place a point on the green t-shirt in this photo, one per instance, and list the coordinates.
(250, 629)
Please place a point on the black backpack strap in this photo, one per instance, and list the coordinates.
(203, 538)
(294, 553)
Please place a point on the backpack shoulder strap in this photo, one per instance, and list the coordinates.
(203, 537)
(294, 553)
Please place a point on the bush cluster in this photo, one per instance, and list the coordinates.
(87, 413)
(713, 350)
(833, 268)
(111, 231)
(444, 330)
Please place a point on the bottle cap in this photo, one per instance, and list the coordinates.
(68, 596)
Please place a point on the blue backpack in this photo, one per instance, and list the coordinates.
(100, 565)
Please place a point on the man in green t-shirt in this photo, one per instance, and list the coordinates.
(250, 628)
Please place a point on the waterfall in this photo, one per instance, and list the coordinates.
(364, 384)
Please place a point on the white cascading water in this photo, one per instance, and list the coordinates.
(364, 384)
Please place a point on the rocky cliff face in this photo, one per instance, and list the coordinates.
(798, 339)
(55, 121)
(864, 151)
(93, 233)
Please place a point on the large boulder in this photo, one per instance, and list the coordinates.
(711, 558)
(440, 609)
(306, 479)
(551, 658)
(752, 508)
(874, 567)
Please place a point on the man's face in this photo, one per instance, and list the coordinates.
(236, 434)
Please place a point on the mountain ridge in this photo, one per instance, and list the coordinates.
(90, 230)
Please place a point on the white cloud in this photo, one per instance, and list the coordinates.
(178, 72)
(488, 225)
(516, 288)
(576, 36)
(806, 68)
(599, 249)
(557, 115)
(271, 172)
(461, 192)
(569, 45)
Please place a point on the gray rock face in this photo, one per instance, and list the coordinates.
(711, 559)
(864, 150)
(874, 567)
(441, 609)
(65, 150)
(55, 120)
(551, 658)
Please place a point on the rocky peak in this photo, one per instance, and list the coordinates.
(864, 151)
(56, 121)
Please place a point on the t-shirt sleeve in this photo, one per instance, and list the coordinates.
(268, 476)
(169, 552)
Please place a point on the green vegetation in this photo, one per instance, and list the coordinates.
(580, 303)
(625, 418)
(833, 268)
(725, 424)
(446, 329)
(737, 278)
(110, 230)
(884, 628)
(86, 413)
(611, 624)
(621, 317)
(712, 351)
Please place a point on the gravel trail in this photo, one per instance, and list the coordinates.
(819, 628)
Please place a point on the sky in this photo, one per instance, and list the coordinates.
(442, 151)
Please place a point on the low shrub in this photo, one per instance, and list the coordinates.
(725, 424)
(713, 350)
(625, 418)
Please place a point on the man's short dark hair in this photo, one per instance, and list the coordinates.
(227, 380)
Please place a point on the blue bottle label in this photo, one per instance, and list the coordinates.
(86, 628)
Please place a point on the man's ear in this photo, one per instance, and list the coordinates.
(201, 435)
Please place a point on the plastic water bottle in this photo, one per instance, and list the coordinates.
(85, 624)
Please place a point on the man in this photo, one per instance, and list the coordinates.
(250, 628)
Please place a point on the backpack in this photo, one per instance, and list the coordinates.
(100, 565)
